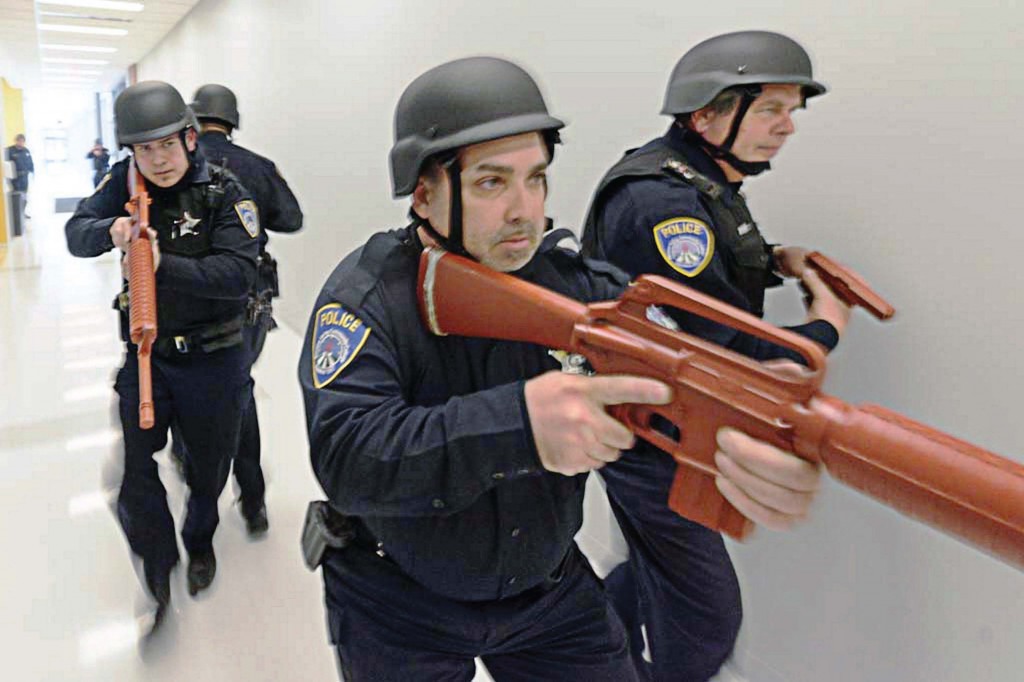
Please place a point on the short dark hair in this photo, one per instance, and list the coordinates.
(724, 102)
(19, 136)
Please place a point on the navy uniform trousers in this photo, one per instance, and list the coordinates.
(388, 628)
(244, 460)
(205, 395)
(678, 584)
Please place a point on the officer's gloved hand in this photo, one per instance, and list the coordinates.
(571, 427)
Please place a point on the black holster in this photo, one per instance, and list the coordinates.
(324, 528)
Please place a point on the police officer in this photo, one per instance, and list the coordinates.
(459, 463)
(674, 207)
(23, 165)
(205, 230)
(217, 110)
(100, 158)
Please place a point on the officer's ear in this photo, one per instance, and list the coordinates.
(191, 139)
(423, 197)
(699, 121)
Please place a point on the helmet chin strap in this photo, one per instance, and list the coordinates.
(453, 242)
(724, 151)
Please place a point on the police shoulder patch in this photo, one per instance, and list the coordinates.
(685, 243)
(338, 336)
(250, 216)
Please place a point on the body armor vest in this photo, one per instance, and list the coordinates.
(746, 255)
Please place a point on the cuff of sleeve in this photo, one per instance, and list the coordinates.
(819, 331)
(530, 462)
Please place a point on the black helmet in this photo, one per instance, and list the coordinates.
(216, 102)
(460, 103)
(148, 111)
(741, 58)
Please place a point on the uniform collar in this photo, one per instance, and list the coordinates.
(698, 159)
(213, 135)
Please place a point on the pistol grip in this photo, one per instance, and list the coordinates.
(695, 496)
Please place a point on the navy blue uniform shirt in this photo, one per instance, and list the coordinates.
(278, 208)
(630, 209)
(207, 237)
(427, 439)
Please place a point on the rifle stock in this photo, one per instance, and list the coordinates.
(958, 488)
(142, 292)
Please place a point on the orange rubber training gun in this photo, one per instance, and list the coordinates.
(958, 488)
(141, 291)
(849, 286)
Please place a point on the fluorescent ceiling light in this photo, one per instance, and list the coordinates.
(74, 60)
(79, 48)
(98, 4)
(96, 30)
(73, 72)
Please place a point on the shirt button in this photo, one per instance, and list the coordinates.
(498, 476)
(516, 532)
(523, 472)
(512, 580)
(438, 504)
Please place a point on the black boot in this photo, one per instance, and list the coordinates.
(158, 582)
(202, 567)
(255, 519)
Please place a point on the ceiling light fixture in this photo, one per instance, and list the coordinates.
(79, 48)
(73, 60)
(95, 30)
(73, 72)
(98, 4)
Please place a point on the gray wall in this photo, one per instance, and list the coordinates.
(909, 170)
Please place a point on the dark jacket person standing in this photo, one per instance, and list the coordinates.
(205, 230)
(217, 110)
(674, 207)
(23, 165)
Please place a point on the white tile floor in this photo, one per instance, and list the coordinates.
(72, 606)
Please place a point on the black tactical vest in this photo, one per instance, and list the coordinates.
(746, 255)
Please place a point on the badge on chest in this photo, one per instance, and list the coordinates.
(185, 226)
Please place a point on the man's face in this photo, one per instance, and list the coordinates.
(19, 141)
(764, 130)
(504, 183)
(164, 162)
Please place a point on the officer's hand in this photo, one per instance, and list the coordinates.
(769, 486)
(790, 261)
(125, 267)
(825, 305)
(571, 427)
(121, 232)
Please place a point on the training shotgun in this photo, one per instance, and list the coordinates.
(141, 291)
(956, 487)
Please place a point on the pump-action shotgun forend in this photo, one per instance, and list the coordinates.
(958, 488)
(141, 291)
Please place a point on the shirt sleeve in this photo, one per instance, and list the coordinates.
(375, 451)
(88, 230)
(229, 271)
(283, 212)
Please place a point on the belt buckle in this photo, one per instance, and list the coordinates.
(181, 344)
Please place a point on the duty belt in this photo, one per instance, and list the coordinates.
(205, 340)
